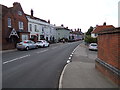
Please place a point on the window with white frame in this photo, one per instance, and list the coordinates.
(95, 35)
(24, 37)
(20, 25)
(42, 29)
(20, 13)
(30, 27)
(9, 22)
(36, 28)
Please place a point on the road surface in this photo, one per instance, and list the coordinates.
(38, 68)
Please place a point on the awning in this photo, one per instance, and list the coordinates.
(13, 33)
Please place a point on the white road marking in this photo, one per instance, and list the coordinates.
(71, 55)
(68, 61)
(15, 59)
(69, 58)
(70, 43)
(54, 47)
(61, 77)
(42, 51)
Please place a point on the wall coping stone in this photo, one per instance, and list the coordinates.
(113, 31)
(108, 66)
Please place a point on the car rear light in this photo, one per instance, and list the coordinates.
(25, 42)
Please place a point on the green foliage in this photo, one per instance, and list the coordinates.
(89, 39)
(89, 31)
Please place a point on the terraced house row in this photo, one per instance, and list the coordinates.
(18, 26)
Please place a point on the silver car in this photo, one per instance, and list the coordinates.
(26, 44)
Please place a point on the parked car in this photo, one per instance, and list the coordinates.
(93, 46)
(26, 45)
(42, 43)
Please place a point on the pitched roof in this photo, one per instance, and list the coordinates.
(103, 28)
(5, 10)
(76, 32)
(61, 28)
(32, 17)
(12, 9)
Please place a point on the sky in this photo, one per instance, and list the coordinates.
(72, 13)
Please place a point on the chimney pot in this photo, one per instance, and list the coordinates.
(49, 21)
(62, 25)
(31, 12)
(15, 3)
(104, 23)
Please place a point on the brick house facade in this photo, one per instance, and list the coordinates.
(108, 61)
(13, 20)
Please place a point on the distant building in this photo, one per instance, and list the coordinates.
(99, 28)
(14, 26)
(76, 35)
(62, 32)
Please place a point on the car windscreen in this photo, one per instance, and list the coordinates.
(93, 45)
(39, 42)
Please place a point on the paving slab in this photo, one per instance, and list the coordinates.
(81, 72)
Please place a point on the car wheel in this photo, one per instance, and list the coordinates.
(27, 48)
(18, 49)
(36, 47)
(43, 45)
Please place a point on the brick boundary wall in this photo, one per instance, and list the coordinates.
(108, 61)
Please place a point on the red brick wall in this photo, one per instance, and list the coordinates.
(109, 54)
(108, 48)
(6, 31)
(109, 74)
(15, 18)
(18, 18)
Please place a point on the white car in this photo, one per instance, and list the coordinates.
(42, 43)
(93, 46)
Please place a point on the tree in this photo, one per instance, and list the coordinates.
(89, 31)
(89, 39)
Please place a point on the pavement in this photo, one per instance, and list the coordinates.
(81, 72)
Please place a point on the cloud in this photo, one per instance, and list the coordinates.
(72, 13)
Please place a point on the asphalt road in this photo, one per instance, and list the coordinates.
(38, 68)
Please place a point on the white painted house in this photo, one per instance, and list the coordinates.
(40, 29)
(62, 32)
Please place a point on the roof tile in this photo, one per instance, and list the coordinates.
(102, 28)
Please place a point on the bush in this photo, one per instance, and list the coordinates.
(89, 39)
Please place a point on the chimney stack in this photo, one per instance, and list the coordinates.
(62, 25)
(104, 23)
(31, 12)
(80, 30)
(15, 3)
(75, 30)
(96, 25)
(49, 21)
